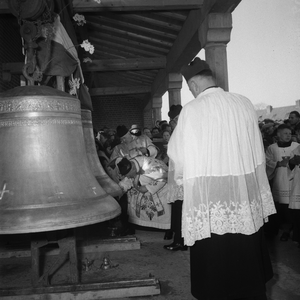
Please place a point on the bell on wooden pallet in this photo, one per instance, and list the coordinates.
(46, 182)
(110, 186)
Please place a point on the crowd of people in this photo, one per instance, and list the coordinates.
(137, 160)
(280, 140)
(282, 146)
(217, 185)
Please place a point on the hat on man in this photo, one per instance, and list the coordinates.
(121, 130)
(124, 166)
(193, 68)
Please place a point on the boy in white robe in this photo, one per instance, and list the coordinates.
(277, 156)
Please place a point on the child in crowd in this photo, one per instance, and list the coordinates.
(277, 158)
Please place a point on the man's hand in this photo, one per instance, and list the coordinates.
(143, 150)
(282, 163)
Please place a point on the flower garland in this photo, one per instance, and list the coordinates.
(74, 83)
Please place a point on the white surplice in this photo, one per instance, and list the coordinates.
(219, 157)
(281, 184)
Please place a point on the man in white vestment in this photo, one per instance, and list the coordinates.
(219, 158)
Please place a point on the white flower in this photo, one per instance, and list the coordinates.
(92, 49)
(87, 59)
(126, 184)
(87, 46)
(74, 84)
(80, 19)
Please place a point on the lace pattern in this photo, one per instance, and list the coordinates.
(220, 218)
(225, 205)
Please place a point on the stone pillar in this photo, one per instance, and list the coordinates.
(174, 88)
(214, 36)
(156, 109)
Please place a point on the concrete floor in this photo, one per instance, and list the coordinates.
(170, 268)
(285, 257)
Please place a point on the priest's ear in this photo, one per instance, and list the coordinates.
(194, 87)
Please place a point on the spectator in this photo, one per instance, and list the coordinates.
(162, 154)
(147, 131)
(164, 127)
(268, 134)
(277, 157)
(161, 124)
(294, 119)
(166, 135)
(175, 198)
(155, 132)
(157, 124)
(158, 135)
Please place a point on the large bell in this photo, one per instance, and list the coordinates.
(30, 9)
(110, 186)
(46, 183)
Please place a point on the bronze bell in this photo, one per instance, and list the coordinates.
(30, 9)
(46, 183)
(110, 186)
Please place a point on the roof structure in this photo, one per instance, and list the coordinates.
(138, 43)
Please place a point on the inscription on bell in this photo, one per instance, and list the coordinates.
(35, 104)
(39, 121)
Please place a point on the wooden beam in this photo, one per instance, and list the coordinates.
(83, 6)
(134, 5)
(187, 44)
(125, 64)
(99, 65)
(120, 28)
(120, 90)
(131, 23)
(183, 49)
(88, 245)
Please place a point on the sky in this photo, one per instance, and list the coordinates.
(263, 55)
